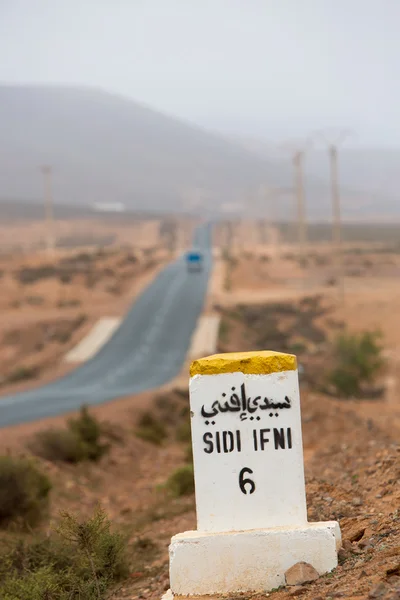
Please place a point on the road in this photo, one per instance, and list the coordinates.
(146, 351)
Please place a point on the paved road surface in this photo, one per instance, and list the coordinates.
(146, 351)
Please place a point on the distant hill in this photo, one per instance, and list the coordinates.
(105, 148)
(108, 149)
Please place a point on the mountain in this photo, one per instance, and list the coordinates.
(104, 149)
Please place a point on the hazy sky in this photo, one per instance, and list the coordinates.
(266, 68)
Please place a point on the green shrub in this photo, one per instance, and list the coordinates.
(303, 262)
(189, 454)
(34, 552)
(88, 429)
(79, 560)
(151, 429)
(28, 275)
(224, 330)
(24, 491)
(38, 585)
(322, 260)
(358, 359)
(181, 482)
(166, 408)
(80, 320)
(297, 348)
(228, 281)
(59, 444)
(182, 394)
(183, 432)
(35, 300)
(64, 337)
(185, 410)
(22, 374)
(80, 441)
(93, 539)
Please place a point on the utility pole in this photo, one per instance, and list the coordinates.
(298, 151)
(265, 215)
(48, 208)
(336, 207)
(336, 216)
(336, 219)
(229, 235)
(268, 217)
(298, 163)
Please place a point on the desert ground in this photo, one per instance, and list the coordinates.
(266, 297)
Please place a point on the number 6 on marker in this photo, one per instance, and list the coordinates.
(243, 481)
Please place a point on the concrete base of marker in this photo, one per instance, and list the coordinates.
(248, 561)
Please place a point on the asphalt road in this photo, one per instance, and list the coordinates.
(146, 351)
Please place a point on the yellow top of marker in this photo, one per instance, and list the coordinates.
(251, 363)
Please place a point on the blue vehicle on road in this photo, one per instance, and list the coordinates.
(194, 261)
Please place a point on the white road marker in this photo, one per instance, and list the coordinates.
(96, 338)
(205, 338)
(249, 477)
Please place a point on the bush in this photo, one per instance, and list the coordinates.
(65, 277)
(166, 408)
(358, 359)
(35, 300)
(34, 552)
(59, 444)
(184, 432)
(81, 441)
(22, 374)
(224, 330)
(297, 348)
(189, 454)
(181, 482)
(80, 320)
(151, 429)
(88, 429)
(68, 303)
(40, 584)
(24, 491)
(79, 560)
(28, 275)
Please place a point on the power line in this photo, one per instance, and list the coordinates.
(298, 164)
(47, 172)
